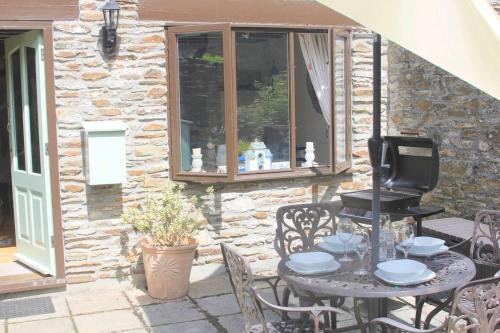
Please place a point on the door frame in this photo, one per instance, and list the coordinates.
(59, 279)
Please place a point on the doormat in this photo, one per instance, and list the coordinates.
(26, 307)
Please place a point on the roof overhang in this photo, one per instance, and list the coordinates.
(278, 12)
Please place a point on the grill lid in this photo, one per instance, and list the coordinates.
(410, 164)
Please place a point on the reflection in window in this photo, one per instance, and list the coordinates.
(262, 101)
(18, 109)
(201, 102)
(340, 98)
(33, 108)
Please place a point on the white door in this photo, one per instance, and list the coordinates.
(30, 162)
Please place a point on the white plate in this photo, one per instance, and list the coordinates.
(311, 260)
(412, 252)
(427, 244)
(327, 269)
(427, 275)
(401, 269)
(334, 249)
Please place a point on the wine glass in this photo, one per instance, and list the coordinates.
(361, 249)
(385, 220)
(406, 238)
(345, 232)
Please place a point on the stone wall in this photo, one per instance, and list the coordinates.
(132, 86)
(462, 119)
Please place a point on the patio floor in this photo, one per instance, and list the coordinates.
(112, 307)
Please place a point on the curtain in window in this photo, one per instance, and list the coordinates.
(315, 51)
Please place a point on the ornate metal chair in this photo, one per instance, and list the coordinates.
(299, 228)
(476, 308)
(484, 251)
(252, 303)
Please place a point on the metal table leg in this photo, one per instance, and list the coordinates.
(377, 307)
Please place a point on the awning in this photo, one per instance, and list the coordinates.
(460, 36)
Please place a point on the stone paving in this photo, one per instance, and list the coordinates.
(90, 308)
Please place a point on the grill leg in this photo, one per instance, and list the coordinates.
(418, 219)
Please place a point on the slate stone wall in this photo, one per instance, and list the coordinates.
(462, 119)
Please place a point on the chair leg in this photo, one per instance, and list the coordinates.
(357, 315)
(285, 302)
(286, 297)
(419, 305)
(275, 290)
(434, 312)
(333, 316)
(340, 301)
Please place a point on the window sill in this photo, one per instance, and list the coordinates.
(253, 177)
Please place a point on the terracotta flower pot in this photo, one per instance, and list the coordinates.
(168, 269)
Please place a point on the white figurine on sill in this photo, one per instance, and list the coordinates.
(197, 162)
(309, 155)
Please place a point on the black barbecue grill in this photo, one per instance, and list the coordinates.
(410, 168)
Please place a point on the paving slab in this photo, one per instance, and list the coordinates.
(60, 310)
(219, 305)
(98, 301)
(54, 325)
(207, 272)
(407, 314)
(233, 323)
(210, 287)
(170, 313)
(200, 326)
(138, 330)
(106, 322)
(140, 297)
(2, 326)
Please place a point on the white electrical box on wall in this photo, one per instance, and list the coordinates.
(105, 152)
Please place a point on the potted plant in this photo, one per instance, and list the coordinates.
(168, 225)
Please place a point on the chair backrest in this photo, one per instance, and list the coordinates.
(484, 249)
(476, 307)
(242, 281)
(299, 227)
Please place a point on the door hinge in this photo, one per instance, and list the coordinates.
(52, 242)
(46, 149)
(42, 54)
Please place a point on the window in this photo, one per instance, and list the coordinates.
(342, 102)
(255, 103)
(201, 100)
(262, 97)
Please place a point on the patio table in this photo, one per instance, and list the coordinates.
(452, 270)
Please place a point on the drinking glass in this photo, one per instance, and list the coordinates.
(361, 249)
(385, 220)
(406, 238)
(344, 232)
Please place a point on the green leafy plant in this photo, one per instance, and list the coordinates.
(170, 220)
(269, 108)
(212, 58)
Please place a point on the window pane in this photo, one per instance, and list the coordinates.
(312, 97)
(263, 101)
(201, 102)
(18, 109)
(33, 104)
(340, 98)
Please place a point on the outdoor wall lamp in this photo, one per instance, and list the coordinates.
(111, 12)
